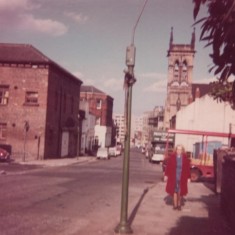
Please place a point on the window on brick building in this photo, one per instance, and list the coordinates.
(3, 131)
(98, 121)
(31, 98)
(4, 94)
(98, 103)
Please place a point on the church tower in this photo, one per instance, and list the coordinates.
(179, 80)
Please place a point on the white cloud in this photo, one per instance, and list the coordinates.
(78, 18)
(47, 26)
(159, 86)
(113, 84)
(17, 5)
(17, 14)
(78, 74)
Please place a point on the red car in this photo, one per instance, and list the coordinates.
(4, 155)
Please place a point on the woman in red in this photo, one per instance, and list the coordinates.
(177, 173)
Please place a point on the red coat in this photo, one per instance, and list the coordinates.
(170, 172)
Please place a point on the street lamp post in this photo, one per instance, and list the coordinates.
(124, 226)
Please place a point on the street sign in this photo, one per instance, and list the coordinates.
(162, 136)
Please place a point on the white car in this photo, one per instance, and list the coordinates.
(157, 156)
(102, 153)
(113, 152)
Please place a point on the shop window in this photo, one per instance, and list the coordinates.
(4, 95)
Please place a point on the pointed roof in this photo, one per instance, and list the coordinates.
(21, 53)
(26, 54)
(92, 89)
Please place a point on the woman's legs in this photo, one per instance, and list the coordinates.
(177, 201)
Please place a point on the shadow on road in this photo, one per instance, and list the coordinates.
(135, 210)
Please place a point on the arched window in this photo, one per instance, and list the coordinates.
(176, 70)
(185, 66)
(185, 71)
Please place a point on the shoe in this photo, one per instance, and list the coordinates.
(179, 208)
(175, 207)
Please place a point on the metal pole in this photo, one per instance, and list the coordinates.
(124, 226)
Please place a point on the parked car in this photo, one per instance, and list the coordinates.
(102, 153)
(158, 155)
(114, 151)
(4, 155)
(143, 150)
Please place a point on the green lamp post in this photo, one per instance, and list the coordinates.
(124, 226)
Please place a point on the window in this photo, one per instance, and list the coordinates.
(185, 66)
(3, 131)
(176, 70)
(98, 103)
(31, 98)
(98, 121)
(4, 95)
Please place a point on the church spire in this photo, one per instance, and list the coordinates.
(171, 38)
(193, 39)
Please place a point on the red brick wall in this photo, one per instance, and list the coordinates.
(46, 121)
(20, 80)
(106, 111)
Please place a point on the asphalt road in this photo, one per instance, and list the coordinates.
(76, 199)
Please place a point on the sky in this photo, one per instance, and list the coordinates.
(89, 39)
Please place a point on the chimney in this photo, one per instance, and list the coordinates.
(197, 93)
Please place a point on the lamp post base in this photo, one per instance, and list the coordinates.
(123, 229)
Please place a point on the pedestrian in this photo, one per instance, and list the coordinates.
(177, 174)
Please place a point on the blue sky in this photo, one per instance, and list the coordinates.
(89, 39)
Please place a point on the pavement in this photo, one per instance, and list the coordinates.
(59, 162)
(17, 166)
(200, 214)
(151, 212)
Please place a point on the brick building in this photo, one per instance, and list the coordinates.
(100, 105)
(39, 104)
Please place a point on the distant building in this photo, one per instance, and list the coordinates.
(88, 129)
(100, 105)
(39, 104)
(119, 122)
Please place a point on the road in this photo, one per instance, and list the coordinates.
(75, 199)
